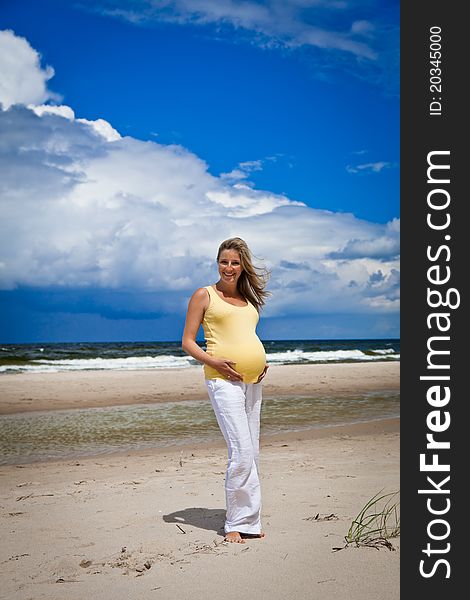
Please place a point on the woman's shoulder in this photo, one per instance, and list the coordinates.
(201, 295)
(202, 291)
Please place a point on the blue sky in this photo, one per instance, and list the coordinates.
(182, 123)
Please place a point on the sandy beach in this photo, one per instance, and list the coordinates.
(51, 391)
(149, 524)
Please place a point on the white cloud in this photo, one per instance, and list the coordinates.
(331, 35)
(243, 170)
(374, 167)
(103, 128)
(84, 208)
(385, 246)
(241, 201)
(61, 110)
(100, 126)
(279, 23)
(22, 78)
(362, 27)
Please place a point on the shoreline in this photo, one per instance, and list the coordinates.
(27, 392)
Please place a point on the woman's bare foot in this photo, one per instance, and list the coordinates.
(234, 536)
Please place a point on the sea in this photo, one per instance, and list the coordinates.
(39, 436)
(93, 356)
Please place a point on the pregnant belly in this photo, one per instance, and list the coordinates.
(249, 359)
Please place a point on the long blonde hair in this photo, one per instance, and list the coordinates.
(252, 280)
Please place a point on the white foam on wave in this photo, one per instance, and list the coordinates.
(291, 356)
(99, 364)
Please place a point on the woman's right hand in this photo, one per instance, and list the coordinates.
(224, 367)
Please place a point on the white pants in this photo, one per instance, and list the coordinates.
(237, 407)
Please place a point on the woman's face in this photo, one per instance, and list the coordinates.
(230, 267)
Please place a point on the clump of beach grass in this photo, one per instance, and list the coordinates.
(377, 522)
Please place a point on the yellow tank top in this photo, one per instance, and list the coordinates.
(230, 332)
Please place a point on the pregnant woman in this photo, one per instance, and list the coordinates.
(234, 365)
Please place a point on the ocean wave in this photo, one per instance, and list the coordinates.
(170, 361)
(99, 364)
(299, 356)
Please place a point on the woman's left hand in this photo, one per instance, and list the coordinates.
(263, 374)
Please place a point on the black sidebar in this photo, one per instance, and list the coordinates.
(434, 329)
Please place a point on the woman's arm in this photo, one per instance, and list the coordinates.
(196, 308)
